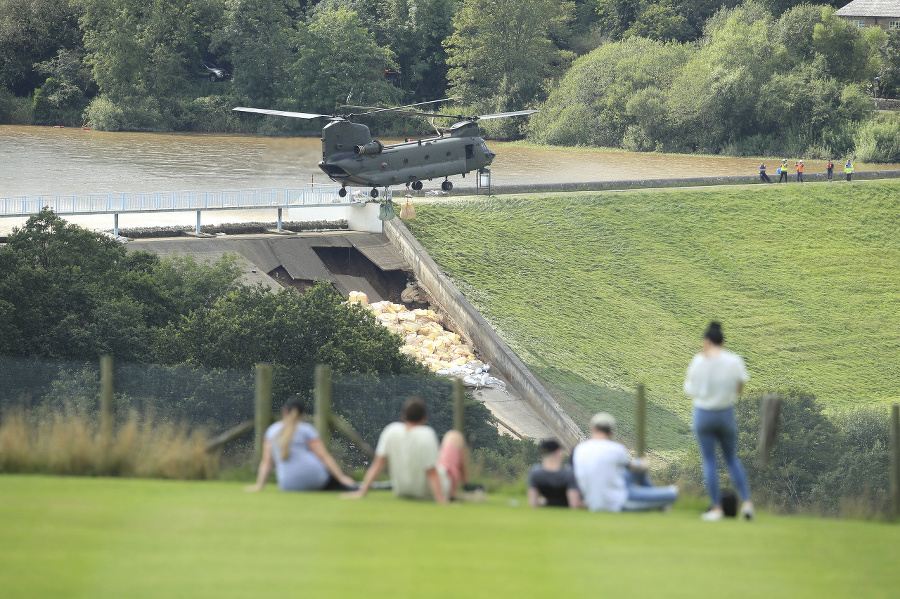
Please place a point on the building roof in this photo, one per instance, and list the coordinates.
(870, 8)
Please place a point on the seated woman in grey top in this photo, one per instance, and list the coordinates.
(302, 463)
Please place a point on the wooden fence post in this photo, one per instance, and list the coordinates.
(322, 417)
(459, 406)
(641, 422)
(895, 461)
(107, 417)
(263, 401)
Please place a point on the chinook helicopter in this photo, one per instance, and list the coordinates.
(352, 158)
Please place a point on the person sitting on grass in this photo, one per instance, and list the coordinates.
(418, 467)
(552, 483)
(609, 479)
(302, 463)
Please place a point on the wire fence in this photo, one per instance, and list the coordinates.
(207, 398)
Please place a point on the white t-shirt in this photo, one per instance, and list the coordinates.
(599, 466)
(713, 382)
(411, 452)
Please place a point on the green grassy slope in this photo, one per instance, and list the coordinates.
(99, 538)
(599, 292)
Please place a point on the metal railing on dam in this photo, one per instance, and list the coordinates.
(313, 195)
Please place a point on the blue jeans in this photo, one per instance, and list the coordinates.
(719, 426)
(642, 495)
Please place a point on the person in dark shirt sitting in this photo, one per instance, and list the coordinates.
(552, 483)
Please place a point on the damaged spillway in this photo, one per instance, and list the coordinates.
(371, 264)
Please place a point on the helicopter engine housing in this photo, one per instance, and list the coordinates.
(370, 149)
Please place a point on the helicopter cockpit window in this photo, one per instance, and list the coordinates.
(470, 151)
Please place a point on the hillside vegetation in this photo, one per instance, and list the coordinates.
(138, 538)
(598, 292)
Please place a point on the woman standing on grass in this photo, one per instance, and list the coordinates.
(714, 380)
(302, 463)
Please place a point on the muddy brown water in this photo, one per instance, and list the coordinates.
(49, 161)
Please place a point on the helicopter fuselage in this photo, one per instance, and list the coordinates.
(350, 156)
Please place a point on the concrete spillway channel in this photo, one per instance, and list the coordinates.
(381, 265)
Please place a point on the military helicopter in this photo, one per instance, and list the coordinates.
(352, 158)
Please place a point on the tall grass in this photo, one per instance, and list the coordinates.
(70, 443)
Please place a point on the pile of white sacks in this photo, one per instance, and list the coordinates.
(443, 351)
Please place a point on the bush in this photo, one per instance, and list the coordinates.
(830, 465)
(104, 115)
(878, 141)
(130, 114)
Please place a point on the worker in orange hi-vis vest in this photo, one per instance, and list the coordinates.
(800, 172)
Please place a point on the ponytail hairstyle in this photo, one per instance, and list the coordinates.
(293, 409)
(714, 333)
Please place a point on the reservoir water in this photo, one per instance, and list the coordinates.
(48, 161)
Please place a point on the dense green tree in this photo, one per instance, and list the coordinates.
(337, 57)
(890, 65)
(256, 40)
(414, 31)
(143, 57)
(660, 21)
(60, 296)
(501, 54)
(807, 446)
(603, 90)
(31, 32)
(66, 292)
(752, 86)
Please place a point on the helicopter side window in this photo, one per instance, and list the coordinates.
(427, 157)
(470, 151)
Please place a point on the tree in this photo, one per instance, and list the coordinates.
(294, 332)
(414, 31)
(890, 60)
(660, 21)
(257, 39)
(60, 294)
(807, 446)
(337, 57)
(501, 54)
(616, 85)
(66, 292)
(33, 31)
(142, 56)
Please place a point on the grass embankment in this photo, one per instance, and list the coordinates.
(598, 292)
(76, 537)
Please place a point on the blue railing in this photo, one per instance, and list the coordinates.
(163, 201)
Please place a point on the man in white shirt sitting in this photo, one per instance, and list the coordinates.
(418, 468)
(609, 479)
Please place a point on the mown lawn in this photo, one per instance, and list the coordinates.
(97, 538)
(598, 292)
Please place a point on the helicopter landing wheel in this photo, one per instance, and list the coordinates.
(417, 185)
(374, 192)
(446, 185)
(342, 192)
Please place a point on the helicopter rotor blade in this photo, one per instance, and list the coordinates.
(296, 115)
(503, 115)
(460, 117)
(374, 109)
